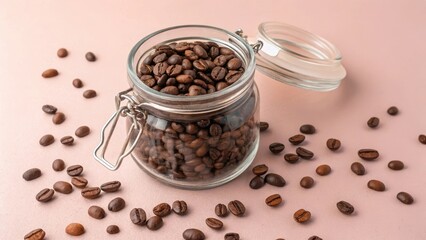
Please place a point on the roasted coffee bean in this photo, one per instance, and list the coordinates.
(221, 210)
(307, 129)
(58, 118)
(218, 73)
(49, 109)
(174, 70)
(58, 165)
(234, 64)
(221, 85)
(154, 223)
(302, 216)
(345, 207)
(31, 174)
(75, 229)
(276, 148)
(79, 182)
(333, 144)
(148, 80)
(393, 111)
(174, 59)
(314, 238)
(82, 131)
(74, 170)
(160, 58)
(304, 153)
(62, 187)
(232, 76)
(273, 200)
(358, 168)
(422, 138)
(36, 234)
(396, 165)
(373, 122)
(162, 209)
(260, 169)
(90, 57)
(275, 180)
(173, 90)
(376, 185)
(77, 83)
(201, 65)
(307, 182)
(62, 52)
(226, 51)
(214, 223)
(89, 93)
(116, 204)
(405, 198)
(291, 157)
(193, 234)
(96, 212)
(113, 229)
(46, 140)
(91, 192)
(49, 73)
(145, 69)
(368, 154)
(232, 236)
(67, 140)
(179, 207)
(263, 126)
(257, 182)
(138, 216)
(45, 195)
(112, 186)
(297, 139)
(237, 208)
(323, 170)
(200, 51)
(215, 130)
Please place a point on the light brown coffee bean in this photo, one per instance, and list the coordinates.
(302, 216)
(77, 83)
(96, 212)
(90, 57)
(260, 169)
(90, 93)
(62, 187)
(62, 52)
(45, 195)
(112, 186)
(376, 185)
(46, 140)
(307, 182)
(91, 192)
(405, 198)
(154, 223)
(214, 223)
(237, 208)
(297, 139)
(113, 229)
(75, 229)
(221, 210)
(368, 154)
(273, 200)
(333, 144)
(180, 207)
(67, 140)
(162, 209)
(79, 182)
(396, 165)
(74, 170)
(323, 170)
(58, 165)
(193, 234)
(31, 174)
(36, 234)
(82, 131)
(49, 73)
(358, 168)
(58, 118)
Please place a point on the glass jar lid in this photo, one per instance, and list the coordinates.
(299, 58)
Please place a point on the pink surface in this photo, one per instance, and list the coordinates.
(382, 43)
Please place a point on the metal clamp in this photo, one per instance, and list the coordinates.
(256, 46)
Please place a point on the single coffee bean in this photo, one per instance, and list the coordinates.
(62, 187)
(297, 139)
(90, 93)
(237, 208)
(91, 192)
(162, 209)
(45, 195)
(263, 126)
(304, 153)
(373, 122)
(323, 170)
(112, 186)
(260, 169)
(215, 130)
(173, 90)
(368, 154)
(36, 234)
(138, 216)
(307, 129)
(62, 52)
(396, 165)
(58, 165)
(226, 51)
(58, 118)
(74, 170)
(422, 138)
(314, 238)
(276, 148)
(214, 223)
(221, 210)
(345, 207)
(275, 180)
(273, 200)
(302, 216)
(257, 182)
(232, 236)
(96, 212)
(358, 168)
(90, 57)
(31, 174)
(307, 182)
(49, 109)
(405, 198)
(154, 223)
(393, 111)
(333, 144)
(113, 229)
(234, 64)
(75, 229)
(193, 234)
(49, 73)
(218, 73)
(376, 185)
(79, 182)
(82, 131)
(116, 204)
(179, 207)
(67, 140)
(46, 140)
(77, 83)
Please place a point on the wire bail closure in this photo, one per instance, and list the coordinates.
(137, 115)
(256, 46)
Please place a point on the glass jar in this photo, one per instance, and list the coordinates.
(199, 142)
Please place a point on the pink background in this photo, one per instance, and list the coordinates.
(383, 45)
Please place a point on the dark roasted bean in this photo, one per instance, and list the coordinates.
(234, 63)
(373, 122)
(79, 182)
(273, 200)
(368, 154)
(304, 153)
(74, 170)
(307, 129)
(226, 51)
(160, 58)
(221, 210)
(323, 170)
(275, 180)
(62, 52)
(200, 51)
(116, 204)
(393, 111)
(49, 73)
(314, 237)
(162, 209)
(46, 140)
(237, 208)
(276, 148)
(179, 207)
(218, 73)
(307, 182)
(31, 174)
(302, 216)
(214, 223)
(396, 165)
(232, 236)
(333, 144)
(174, 59)
(49, 109)
(58, 165)
(45, 195)
(422, 138)
(82, 131)
(260, 169)
(232, 76)
(90, 57)
(376, 185)
(90, 93)
(91, 192)
(67, 140)
(138, 216)
(345, 207)
(291, 157)
(36, 234)
(193, 234)
(154, 223)
(358, 168)
(77, 83)
(112, 186)
(62, 187)
(58, 118)
(405, 198)
(297, 139)
(113, 229)
(257, 182)
(96, 212)
(263, 126)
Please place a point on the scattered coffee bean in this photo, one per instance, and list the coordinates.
(31, 174)
(116, 204)
(291, 157)
(307, 182)
(49, 109)
(307, 129)
(193, 234)
(46, 140)
(396, 165)
(273, 200)
(162, 209)
(257, 182)
(323, 170)
(393, 111)
(90, 93)
(304, 153)
(373, 122)
(58, 165)
(358, 168)
(260, 169)
(82, 131)
(45, 195)
(263, 126)
(77, 83)
(333, 144)
(36, 234)
(96, 212)
(345, 207)
(237, 208)
(74, 229)
(221, 210)
(74, 170)
(422, 138)
(62, 187)
(112, 186)
(90, 57)
(154, 223)
(297, 139)
(276, 148)
(49, 73)
(302, 216)
(113, 229)
(275, 180)
(232, 236)
(376, 185)
(314, 238)
(138, 216)
(214, 223)
(91, 192)
(368, 154)
(79, 182)
(405, 198)
(179, 207)
(67, 140)
(62, 52)
(58, 118)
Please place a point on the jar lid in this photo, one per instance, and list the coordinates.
(299, 58)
